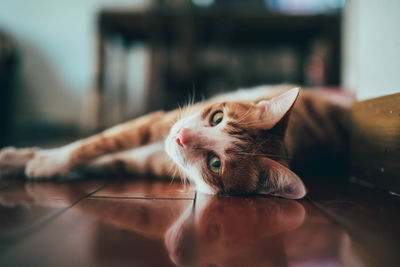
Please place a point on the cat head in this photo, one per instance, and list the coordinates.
(237, 148)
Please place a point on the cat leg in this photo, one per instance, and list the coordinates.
(13, 160)
(143, 160)
(138, 132)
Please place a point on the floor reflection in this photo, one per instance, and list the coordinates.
(234, 232)
(226, 231)
(24, 206)
(97, 230)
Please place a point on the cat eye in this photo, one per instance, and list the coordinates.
(216, 118)
(214, 163)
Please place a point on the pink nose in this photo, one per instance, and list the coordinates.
(182, 137)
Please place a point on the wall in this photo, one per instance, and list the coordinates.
(371, 54)
(56, 40)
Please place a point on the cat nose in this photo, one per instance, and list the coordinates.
(182, 137)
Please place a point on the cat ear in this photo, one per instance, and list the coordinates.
(280, 181)
(272, 111)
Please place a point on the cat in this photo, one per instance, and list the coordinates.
(244, 142)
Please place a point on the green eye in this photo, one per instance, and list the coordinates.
(216, 118)
(214, 164)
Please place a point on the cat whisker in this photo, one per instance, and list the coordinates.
(172, 170)
(184, 180)
(244, 116)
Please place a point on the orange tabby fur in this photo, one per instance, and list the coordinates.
(309, 133)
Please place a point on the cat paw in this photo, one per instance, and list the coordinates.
(48, 164)
(13, 160)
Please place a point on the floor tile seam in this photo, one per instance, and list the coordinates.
(146, 198)
(331, 216)
(350, 230)
(46, 219)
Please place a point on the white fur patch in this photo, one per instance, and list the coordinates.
(194, 174)
(51, 162)
(189, 160)
(135, 159)
(13, 160)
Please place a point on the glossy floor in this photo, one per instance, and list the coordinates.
(127, 222)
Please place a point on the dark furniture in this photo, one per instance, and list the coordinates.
(201, 51)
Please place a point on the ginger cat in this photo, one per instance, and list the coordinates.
(249, 141)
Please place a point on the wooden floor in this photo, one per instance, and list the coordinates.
(130, 222)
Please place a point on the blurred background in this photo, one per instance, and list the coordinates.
(70, 68)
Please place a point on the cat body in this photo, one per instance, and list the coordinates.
(249, 141)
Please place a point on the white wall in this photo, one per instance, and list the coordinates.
(371, 54)
(57, 41)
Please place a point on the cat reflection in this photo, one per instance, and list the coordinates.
(210, 231)
(233, 232)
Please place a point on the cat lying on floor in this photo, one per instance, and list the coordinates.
(249, 141)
